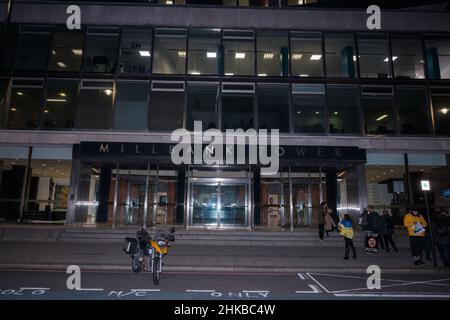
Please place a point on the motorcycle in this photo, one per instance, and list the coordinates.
(147, 253)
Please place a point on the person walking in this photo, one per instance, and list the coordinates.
(345, 228)
(330, 225)
(388, 230)
(415, 224)
(321, 219)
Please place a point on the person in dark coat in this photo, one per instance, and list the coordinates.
(321, 219)
(374, 223)
(388, 230)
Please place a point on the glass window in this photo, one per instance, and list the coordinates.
(343, 109)
(272, 53)
(340, 55)
(239, 52)
(308, 108)
(169, 51)
(441, 110)
(135, 51)
(7, 48)
(60, 103)
(407, 56)
(203, 104)
(437, 50)
(413, 108)
(32, 48)
(237, 111)
(3, 101)
(306, 55)
(374, 56)
(379, 114)
(95, 108)
(131, 105)
(204, 51)
(273, 106)
(101, 50)
(166, 109)
(25, 106)
(67, 50)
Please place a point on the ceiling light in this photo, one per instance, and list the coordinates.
(13, 109)
(77, 52)
(108, 92)
(53, 52)
(56, 100)
(195, 73)
(20, 93)
(182, 54)
(317, 112)
(229, 74)
(211, 54)
(240, 55)
(46, 111)
(299, 112)
(169, 1)
(268, 56)
(336, 113)
(304, 75)
(144, 53)
(296, 56)
(444, 110)
(61, 64)
(62, 94)
(393, 59)
(384, 116)
(316, 57)
(262, 74)
(354, 58)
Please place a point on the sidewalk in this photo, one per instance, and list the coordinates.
(203, 258)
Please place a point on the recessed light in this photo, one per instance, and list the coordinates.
(444, 110)
(195, 73)
(13, 109)
(144, 53)
(62, 94)
(316, 57)
(336, 113)
(240, 55)
(393, 59)
(19, 93)
(182, 54)
(262, 74)
(268, 56)
(77, 52)
(56, 100)
(108, 92)
(211, 55)
(229, 74)
(384, 116)
(46, 111)
(61, 64)
(296, 56)
(303, 75)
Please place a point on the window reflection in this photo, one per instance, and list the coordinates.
(340, 55)
(308, 108)
(60, 103)
(437, 50)
(135, 51)
(239, 53)
(101, 47)
(379, 113)
(169, 51)
(95, 108)
(272, 53)
(374, 56)
(441, 110)
(66, 53)
(343, 109)
(131, 105)
(408, 59)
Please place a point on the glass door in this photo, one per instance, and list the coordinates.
(218, 204)
(131, 199)
(233, 205)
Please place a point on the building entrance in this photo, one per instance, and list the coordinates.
(218, 203)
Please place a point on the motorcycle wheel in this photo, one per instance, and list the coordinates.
(136, 266)
(156, 271)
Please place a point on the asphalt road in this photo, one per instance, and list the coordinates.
(192, 286)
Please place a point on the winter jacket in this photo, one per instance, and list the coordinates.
(388, 224)
(329, 223)
(346, 229)
(321, 217)
(415, 225)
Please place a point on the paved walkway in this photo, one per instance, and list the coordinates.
(109, 256)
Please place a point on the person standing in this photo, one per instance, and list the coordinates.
(330, 225)
(371, 226)
(388, 230)
(416, 224)
(321, 220)
(345, 228)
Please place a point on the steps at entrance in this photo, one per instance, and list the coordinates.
(303, 237)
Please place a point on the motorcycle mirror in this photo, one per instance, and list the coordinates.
(172, 230)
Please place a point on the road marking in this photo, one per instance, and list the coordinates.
(390, 295)
(32, 288)
(194, 290)
(146, 290)
(88, 289)
(320, 285)
(255, 291)
(301, 276)
(314, 290)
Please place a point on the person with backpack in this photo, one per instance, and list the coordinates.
(345, 228)
(388, 230)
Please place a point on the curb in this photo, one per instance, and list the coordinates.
(199, 269)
